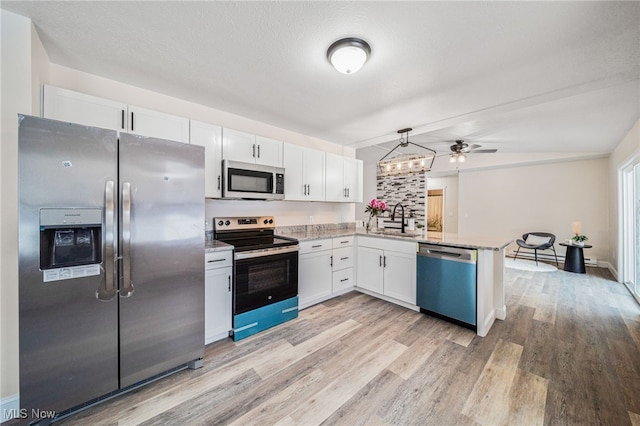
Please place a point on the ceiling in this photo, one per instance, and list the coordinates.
(518, 76)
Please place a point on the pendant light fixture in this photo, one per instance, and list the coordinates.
(407, 163)
(348, 55)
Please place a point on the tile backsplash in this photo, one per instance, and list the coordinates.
(407, 188)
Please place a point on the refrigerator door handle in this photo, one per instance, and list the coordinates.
(127, 284)
(107, 289)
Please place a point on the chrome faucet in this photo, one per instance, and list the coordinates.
(393, 216)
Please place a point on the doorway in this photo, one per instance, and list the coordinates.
(630, 179)
(435, 210)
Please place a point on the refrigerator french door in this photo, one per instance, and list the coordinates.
(111, 283)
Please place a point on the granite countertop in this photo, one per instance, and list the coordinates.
(215, 245)
(444, 239)
(419, 236)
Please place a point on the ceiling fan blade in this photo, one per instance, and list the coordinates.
(473, 147)
(484, 151)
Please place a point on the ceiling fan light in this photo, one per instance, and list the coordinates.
(453, 158)
(462, 158)
(348, 55)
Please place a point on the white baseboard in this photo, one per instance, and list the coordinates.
(10, 407)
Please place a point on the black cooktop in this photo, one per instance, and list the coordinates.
(254, 240)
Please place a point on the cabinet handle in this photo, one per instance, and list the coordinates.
(258, 151)
(132, 121)
(331, 261)
(344, 258)
(217, 260)
(218, 182)
(316, 246)
(305, 188)
(380, 260)
(384, 261)
(308, 189)
(122, 118)
(344, 242)
(348, 192)
(229, 279)
(344, 279)
(254, 151)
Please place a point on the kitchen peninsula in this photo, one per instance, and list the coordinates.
(490, 264)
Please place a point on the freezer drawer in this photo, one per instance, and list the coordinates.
(446, 281)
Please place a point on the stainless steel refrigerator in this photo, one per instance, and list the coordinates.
(111, 261)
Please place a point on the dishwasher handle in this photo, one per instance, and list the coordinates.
(450, 253)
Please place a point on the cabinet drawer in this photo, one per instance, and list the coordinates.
(315, 245)
(342, 258)
(343, 242)
(342, 280)
(218, 259)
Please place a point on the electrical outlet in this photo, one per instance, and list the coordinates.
(310, 219)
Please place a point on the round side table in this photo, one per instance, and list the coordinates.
(574, 258)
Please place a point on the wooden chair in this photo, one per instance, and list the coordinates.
(537, 241)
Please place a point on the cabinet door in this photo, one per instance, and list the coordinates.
(146, 122)
(238, 146)
(353, 179)
(314, 174)
(67, 105)
(334, 181)
(268, 152)
(210, 137)
(400, 276)
(369, 272)
(294, 183)
(314, 277)
(217, 305)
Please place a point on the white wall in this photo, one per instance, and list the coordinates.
(628, 148)
(16, 97)
(510, 201)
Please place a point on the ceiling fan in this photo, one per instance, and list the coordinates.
(460, 149)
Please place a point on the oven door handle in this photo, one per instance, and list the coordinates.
(265, 252)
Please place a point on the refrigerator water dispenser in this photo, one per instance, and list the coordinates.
(70, 237)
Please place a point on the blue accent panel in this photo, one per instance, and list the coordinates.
(448, 288)
(250, 323)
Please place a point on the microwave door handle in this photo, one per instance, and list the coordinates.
(127, 285)
(107, 289)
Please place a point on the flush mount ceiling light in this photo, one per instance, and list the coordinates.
(407, 163)
(348, 55)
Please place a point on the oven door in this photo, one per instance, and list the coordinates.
(264, 277)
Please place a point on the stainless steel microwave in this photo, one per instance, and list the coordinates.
(252, 181)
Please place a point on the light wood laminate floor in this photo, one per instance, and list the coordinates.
(568, 353)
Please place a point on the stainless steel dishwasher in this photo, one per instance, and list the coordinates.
(446, 280)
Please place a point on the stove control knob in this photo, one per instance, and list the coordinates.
(266, 221)
(227, 223)
(220, 223)
(270, 220)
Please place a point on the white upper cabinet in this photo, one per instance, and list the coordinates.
(248, 148)
(304, 176)
(146, 122)
(343, 179)
(210, 137)
(67, 105)
(353, 180)
(334, 178)
(75, 107)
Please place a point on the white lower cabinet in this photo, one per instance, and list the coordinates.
(343, 255)
(314, 272)
(217, 295)
(387, 267)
